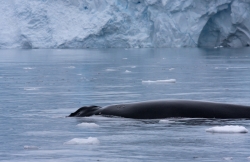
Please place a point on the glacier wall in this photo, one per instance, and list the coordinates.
(124, 23)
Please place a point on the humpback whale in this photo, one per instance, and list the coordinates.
(168, 109)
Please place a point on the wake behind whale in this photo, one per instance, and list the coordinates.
(168, 109)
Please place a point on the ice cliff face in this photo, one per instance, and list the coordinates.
(124, 23)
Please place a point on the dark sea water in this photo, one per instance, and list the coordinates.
(38, 88)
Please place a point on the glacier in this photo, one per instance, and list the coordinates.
(32, 24)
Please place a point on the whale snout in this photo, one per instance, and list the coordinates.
(85, 111)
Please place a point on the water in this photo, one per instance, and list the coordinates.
(40, 87)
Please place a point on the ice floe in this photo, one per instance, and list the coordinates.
(30, 147)
(165, 121)
(83, 141)
(227, 129)
(160, 81)
(88, 125)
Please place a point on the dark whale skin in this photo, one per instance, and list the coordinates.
(168, 109)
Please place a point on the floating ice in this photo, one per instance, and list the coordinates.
(227, 129)
(228, 158)
(83, 141)
(133, 67)
(28, 68)
(127, 71)
(124, 58)
(71, 67)
(171, 69)
(165, 121)
(110, 70)
(160, 81)
(31, 147)
(31, 88)
(88, 125)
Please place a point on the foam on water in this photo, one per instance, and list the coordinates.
(83, 141)
(88, 125)
(227, 129)
(160, 81)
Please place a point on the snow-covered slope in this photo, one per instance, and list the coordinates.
(124, 23)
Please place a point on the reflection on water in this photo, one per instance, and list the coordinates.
(40, 87)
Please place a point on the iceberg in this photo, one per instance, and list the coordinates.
(124, 23)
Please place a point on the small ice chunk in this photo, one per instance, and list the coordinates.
(30, 147)
(110, 70)
(31, 88)
(83, 141)
(71, 67)
(227, 129)
(79, 74)
(124, 58)
(133, 67)
(159, 81)
(127, 71)
(228, 158)
(88, 125)
(28, 68)
(171, 69)
(165, 121)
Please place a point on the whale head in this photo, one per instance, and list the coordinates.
(85, 111)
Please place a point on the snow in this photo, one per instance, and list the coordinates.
(227, 129)
(124, 23)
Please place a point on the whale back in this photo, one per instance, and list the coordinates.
(167, 109)
(85, 111)
(177, 108)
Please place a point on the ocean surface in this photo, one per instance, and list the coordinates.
(39, 88)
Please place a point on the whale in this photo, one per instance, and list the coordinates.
(159, 109)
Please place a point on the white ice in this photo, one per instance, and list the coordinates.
(123, 23)
(127, 71)
(88, 125)
(160, 81)
(165, 121)
(83, 141)
(227, 129)
(30, 147)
